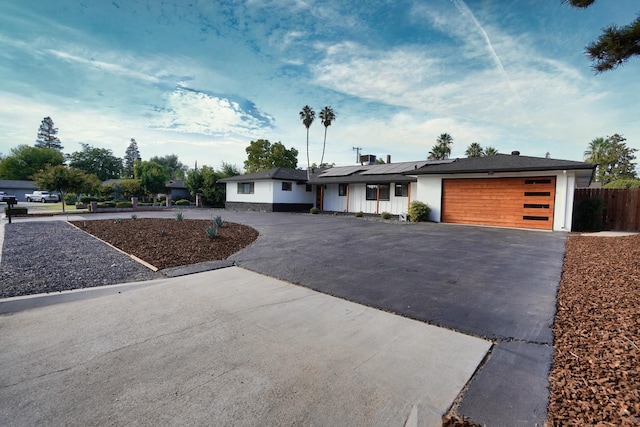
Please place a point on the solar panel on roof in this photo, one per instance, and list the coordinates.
(341, 171)
(393, 168)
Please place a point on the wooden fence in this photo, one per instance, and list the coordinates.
(622, 207)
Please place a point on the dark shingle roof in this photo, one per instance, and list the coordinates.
(284, 174)
(501, 163)
(178, 183)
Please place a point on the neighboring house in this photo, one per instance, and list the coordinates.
(176, 190)
(273, 190)
(18, 188)
(501, 190)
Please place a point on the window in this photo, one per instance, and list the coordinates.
(342, 189)
(372, 192)
(402, 190)
(245, 188)
(286, 186)
(383, 189)
(308, 188)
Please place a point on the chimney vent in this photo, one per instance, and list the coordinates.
(388, 158)
(515, 153)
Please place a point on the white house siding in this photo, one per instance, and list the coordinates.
(429, 191)
(298, 193)
(261, 192)
(332, 201)
(357, 200)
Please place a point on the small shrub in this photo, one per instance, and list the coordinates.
(212, 231)
(163, 233)
(124, 205)
(314, 210)
(359, 214)
(218, 221)
(106, 205)
(419, 211)
(88, 199)
(182, 202)
(179, 216)
(385, 215)
(70, 199)
(134, 217)
(117, 220)
(15, 210)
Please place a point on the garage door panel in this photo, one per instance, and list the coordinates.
(506, 202)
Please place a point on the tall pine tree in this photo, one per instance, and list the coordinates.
(130, 157)
(47, 135)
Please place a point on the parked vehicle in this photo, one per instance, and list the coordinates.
(4, 197)
(42, 196)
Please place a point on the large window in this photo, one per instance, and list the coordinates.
(372, 192)
(383, 189)
(286, 186)
(245, 188)
(342, 189)
(402, 190)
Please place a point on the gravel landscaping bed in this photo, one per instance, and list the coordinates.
(53, 256)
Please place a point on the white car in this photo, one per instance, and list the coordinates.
(42, 196)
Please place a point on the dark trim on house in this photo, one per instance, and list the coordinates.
(268, 207)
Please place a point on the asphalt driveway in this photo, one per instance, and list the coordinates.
(493, 283)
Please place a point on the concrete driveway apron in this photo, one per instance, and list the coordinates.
(493, 283)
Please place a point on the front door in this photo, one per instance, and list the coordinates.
(319, 196)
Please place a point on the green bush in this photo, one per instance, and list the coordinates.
(182, 202)
(314, 210)
(359, 214)
(419, 211)
(134, 217)
(179, 216)
(70, 199)
(218, 221)
(385, 215)
(15, 210)
(124, 205)
(88, 199)
(623, 184)
(106, 205)
(587, 215)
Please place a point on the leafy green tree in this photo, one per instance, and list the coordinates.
(490, 151)
(262, 155)
(131, 156)
(322, 165)
(25, 160)
(153, 178)
(63, 180)
(613, 159)
(230, 170)
(623, 183)
(442, 149)
(307, 115)
(174, 167)
(474, 150)
(98, 161)
(194, 181)
(615, 45)
(213, 192)
(327, 116)
(47, 135)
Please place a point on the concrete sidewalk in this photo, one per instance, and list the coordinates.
(226, 347)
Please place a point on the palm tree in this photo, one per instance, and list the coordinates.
(445, 140)
(327, 116)
(307, 115)
(490, 151)
(438, 152)
(474, 150)
(596, 153)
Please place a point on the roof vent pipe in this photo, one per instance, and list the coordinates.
(515, 153)
(388, 158)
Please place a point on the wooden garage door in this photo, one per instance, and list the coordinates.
(505, 202)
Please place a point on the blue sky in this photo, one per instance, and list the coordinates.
(201, 79)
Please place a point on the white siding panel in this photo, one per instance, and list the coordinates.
(332, 201)
(298, 193)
